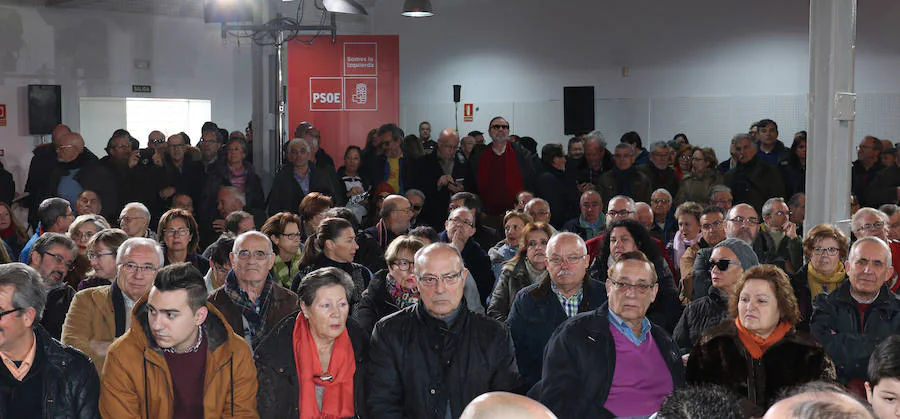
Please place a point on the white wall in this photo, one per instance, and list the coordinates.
(704, 67)
(92, 54)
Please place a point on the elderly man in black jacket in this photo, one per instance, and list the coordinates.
(431, 359)
(40, 377)
(439, 175)
(611, 362)
(293, 181)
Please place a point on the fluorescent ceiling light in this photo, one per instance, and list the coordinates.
(417, 8)
(350, 7)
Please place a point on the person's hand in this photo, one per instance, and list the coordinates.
(444, 181)
(167, 192)
(684, 359)
(586, 186)
(99, 346)
(158, 159)
(456, 187)
(789, 229)
(356, 190)
(219, 226)
(133, 159)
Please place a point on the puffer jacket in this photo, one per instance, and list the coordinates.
(512, 279)
(137, 382)
(698, 316)
(720, 358)
(277, 370)
(417, 363)
(70, 382)
(835, 324)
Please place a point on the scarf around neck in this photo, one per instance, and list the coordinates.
(819, 282)
(757, 345)
(401, 297)
(337, 399)
(253, 311)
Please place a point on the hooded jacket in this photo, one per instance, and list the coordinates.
(137, 382)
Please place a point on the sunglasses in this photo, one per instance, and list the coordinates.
(499, 126)
(722, 264)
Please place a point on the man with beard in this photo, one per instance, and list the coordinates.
(52, 256)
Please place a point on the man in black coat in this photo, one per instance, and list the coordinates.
(752, 181)
(439, 175)
(658, 170)
(42, 162)
(430, 360)
(585, 353)
(52, 257)
(181, 174)
(49, 380)
(298, 178)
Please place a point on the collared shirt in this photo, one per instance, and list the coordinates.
(129, 304)
(626, 330)
(569, 304)
(593, 229)
(19, 372)
(303, 181)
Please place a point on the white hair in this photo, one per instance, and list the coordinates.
(241, 196)
(299, 141)
(139, 206)
(134, 242)
(239, 241)
(662, 191)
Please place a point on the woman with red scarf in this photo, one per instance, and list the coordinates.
(311, 365)
(757, 352)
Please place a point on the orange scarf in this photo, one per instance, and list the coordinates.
(337, 402)
(757, 345)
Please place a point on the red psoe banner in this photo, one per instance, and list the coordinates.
(345, 89)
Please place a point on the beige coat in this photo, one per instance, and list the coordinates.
(92, 316)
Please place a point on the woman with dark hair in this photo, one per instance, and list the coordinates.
(234, 171)
(680, 138)
(696, 185)
(177, 232)
(80, 231)
(14, 235)
(558, 188)
(793, 168)
(334, 244)
(314, 361)
(353, 186)
(394, 288)
(757, 352)
(527, 267)
(283, 229)
(627, 236)
(311, 209)
(101, 252)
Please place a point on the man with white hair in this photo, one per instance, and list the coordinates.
(439, 175)
(135, 219)
(780, 234)
(752, 181)
(661, 175)
(597, 160)
(251, 299)
(870, 222)
(293, 181)
(459, 229)
(664, 226)
(644, 214)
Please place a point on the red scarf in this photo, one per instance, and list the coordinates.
(337, 402)
(496, 194)
(756, 344)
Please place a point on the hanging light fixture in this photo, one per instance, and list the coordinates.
(417, 8)
(350, 7)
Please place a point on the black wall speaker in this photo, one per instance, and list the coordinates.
(578, 109)
(457, 90)
(44, 108)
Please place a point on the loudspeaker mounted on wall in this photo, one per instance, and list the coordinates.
(578, 109)
(457, 90)
(44, 108)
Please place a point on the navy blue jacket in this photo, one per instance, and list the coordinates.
(535, 314)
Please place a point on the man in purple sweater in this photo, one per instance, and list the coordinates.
(612, 362)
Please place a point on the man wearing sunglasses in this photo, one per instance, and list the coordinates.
(578, 379)
(469, 354)
(52, 256)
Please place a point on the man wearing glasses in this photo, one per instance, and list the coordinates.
(578, 380)
(99, 315)
(182, 175)
(251, 299)
(431, 359)
(210, 142)
(780, 234)
(52, 256)
(135, 221)
(869, 222)
(712, 231)
(39, 376)
(396, 213)
(540, 308)
(591, 222)
(621, 207)
(459, 229)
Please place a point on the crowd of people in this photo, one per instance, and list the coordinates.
(445, 278)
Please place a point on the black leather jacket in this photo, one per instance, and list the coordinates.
(417, 364)
(70, 382)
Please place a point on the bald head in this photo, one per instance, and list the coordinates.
(501, 405)
(69, 146)
(447, 143)
(818, 404)
(58, 132)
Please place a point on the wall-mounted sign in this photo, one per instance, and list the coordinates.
(468, 112)
(140, 88)
(2, 115)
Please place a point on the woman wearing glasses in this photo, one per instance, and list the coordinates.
(728, 261)
(758, 352)
(284, 231)
(101, 251)
(826, 249)
(177, 232)
(696, 185)
(80, 231)
(334, 244)
(526, 268)
(394, 288)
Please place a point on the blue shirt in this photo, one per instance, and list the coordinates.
(303, 181)
(626, 330)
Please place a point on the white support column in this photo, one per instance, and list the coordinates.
(266, 145)
(832, 109)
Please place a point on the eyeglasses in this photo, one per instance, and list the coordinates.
(92, 255)
(782, 213)
(660, 201)
(432, 280)
(830, 251)
(407, 210)
(84, 235)
(402, 264)
(461, 221)
(686, 157)
(619, 213)
(722, 264)
(129, 219)
(177, 232)
(867, 227)
(132, 268)
(417, 208)
(4, 313)
(557, 260)
(498, 126)
(60, 260)
(741, 220)
(292, 236)
(637, 288)
(698, 159)
(160, 141)
(715, 225)
(258, 255)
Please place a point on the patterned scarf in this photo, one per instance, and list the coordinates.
(402, 297)
(253, 311)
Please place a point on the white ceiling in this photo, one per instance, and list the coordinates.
(182, 8)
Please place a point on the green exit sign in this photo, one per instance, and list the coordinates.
(140, 88)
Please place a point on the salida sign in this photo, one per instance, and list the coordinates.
(344, 89)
